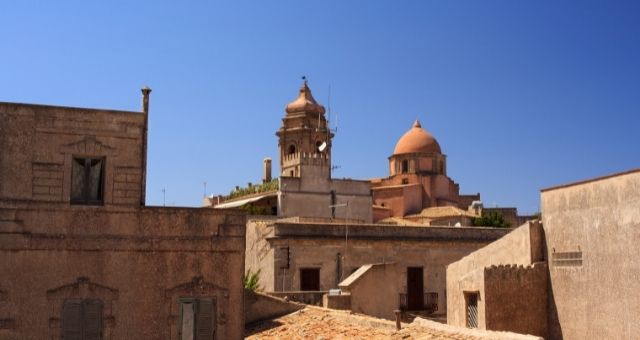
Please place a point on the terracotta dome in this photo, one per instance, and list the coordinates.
(305, 102)
(415, 140)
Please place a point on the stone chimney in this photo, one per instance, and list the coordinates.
(145, 110)
(266, 170)
(145, 99)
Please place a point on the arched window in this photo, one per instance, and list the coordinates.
(292, 149)
(405, 166)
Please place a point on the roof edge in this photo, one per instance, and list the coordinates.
(589, 180)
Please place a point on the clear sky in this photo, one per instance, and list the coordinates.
(521, 95)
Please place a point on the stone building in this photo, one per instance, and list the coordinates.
(82, 257)
(304, 259)
(305, 187)
(321, 235)
(417, 177)
(575, 276)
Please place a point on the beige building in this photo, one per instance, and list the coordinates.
(572, 277)
(82, 257)
(304, 259)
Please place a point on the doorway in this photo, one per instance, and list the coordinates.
(310, 279)
(415, 288)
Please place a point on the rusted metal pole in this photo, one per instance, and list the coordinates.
(397, 311)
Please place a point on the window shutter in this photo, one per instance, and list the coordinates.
(205, 319)
(77, 180)
(92, 320)
(186, 325)
(72, 320)
(95, 180)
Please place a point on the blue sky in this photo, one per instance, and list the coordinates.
(521, 95)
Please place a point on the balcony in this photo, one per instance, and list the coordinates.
(430, 302)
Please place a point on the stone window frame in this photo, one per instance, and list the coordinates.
(197, 301)
(83, 289)
(89, 146)
(196, 288)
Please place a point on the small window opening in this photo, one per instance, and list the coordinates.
(405, 166)
(87, 178)
(292, 149)
(471, 300)
(405, 181)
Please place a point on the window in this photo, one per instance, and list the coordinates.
(292, 149)
(87, 180)
(405, 181)
(471, 301)
(82, 319)
(310, 279)
(405, 166)
(197, 319)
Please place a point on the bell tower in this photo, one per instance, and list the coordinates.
(304, 137)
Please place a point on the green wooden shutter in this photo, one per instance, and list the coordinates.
(92, 320)
(186, 323)
(205, 319)
(72, 319)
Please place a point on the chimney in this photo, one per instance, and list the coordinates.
(266, 170)
(145, 110)
(145, 99)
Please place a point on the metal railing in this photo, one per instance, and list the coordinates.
(430, 302)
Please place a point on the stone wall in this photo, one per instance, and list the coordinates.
(516, 298)
(522, 246)
(259, 306)
(592, 230)
(39, 142)
(337, 250)
(138, 261)
(310, 196)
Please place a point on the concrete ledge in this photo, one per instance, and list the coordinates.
(258, 307)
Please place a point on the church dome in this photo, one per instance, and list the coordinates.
(416, 140)
(305, 102)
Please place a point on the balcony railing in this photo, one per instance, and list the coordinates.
(430, 302)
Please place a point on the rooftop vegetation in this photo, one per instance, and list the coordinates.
(254, 189)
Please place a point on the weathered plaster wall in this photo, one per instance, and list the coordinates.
(596, 298)
(259, 254)
(374, 292)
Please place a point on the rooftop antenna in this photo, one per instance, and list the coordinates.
(204, 194)
(164, 197)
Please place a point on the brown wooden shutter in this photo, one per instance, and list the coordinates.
(92, 320)
(205, 319)
(72, 319)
